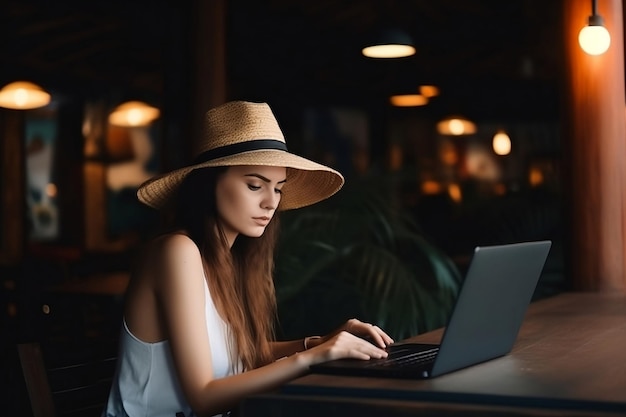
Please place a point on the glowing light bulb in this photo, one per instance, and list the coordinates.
(456, 126)
(501, 143)
(594, 39)
(134, 117)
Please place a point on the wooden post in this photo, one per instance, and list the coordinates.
(594, 136)
(209, 61)
(195, 77)
(12, 188)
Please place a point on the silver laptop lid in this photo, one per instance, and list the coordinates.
(491, 305)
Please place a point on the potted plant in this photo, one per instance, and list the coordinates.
(360, 254)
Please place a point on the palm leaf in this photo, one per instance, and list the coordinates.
(362, 242)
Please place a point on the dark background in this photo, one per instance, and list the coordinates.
(497, 62)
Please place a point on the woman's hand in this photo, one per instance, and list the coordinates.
(367, 331)
(354, 339)
(344, 345)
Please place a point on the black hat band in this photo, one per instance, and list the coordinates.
(240, 147)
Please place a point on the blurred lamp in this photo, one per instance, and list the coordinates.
(455, 193)
(431, 187)
(408, 100)
(456, 126)
(501, 143)
(133, 114)
(23, 95)
(594, 38)
(429, 91)
(390, 43)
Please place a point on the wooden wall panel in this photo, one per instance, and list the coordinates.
(12, 212)
(595, 151)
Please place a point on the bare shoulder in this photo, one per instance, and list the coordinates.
(169, 275)
(174, 241)
(172, 255)
(171, 247)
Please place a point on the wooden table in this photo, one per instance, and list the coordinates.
(569, 359)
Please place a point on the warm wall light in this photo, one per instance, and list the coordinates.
(23, 95)
(501, 143)
(448, 153)
(408, 100)
(133, 114)
(390, 43)
(455, 193)
(594, 38)
(429, 91)
(535, 176)
(456, 126)
(431, 187)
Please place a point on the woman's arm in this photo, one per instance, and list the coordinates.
(365, 330)
(287, 348)
(180, 291)
(225, 393)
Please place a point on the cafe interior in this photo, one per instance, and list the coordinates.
(493, 124)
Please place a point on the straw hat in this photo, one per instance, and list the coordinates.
(244, 133)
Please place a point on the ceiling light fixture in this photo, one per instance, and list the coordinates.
(429, 91)
(133, 114)
(456, 126)
(594, 38)
(390, 43)
(23, 95)
(501, 143)
(408, 100)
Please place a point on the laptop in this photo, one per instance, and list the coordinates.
(484, 323)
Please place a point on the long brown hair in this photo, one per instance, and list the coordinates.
(239, 278)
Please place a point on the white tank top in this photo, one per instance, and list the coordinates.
(145, 382)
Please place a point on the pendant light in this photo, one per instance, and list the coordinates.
(594, 38)
(421, 97)
(23, 95)
(501, 143)
(456, 126)
(429, 90)
(408, 100)
(390, 43)
(133, 114)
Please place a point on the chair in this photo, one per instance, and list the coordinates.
(66, 383)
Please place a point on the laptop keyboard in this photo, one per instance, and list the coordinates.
(406, 359)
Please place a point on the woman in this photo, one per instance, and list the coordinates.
(197, 333)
